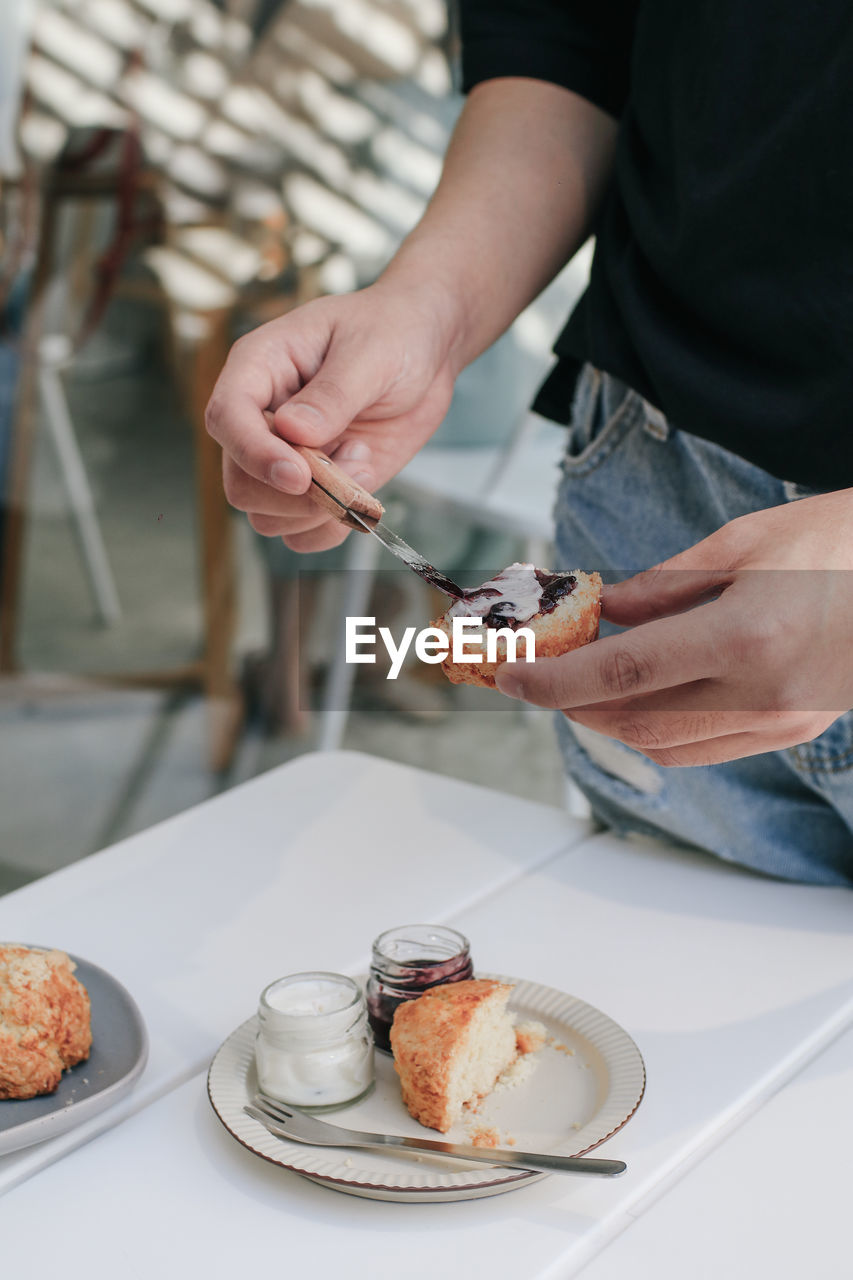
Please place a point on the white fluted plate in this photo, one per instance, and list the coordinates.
(585, 1085)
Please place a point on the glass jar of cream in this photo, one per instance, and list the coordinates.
(313, 1047)
(406, 961)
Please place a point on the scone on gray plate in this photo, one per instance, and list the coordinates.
(45, 1020)
(561, 609)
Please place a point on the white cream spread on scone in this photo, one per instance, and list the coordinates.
(514, 596)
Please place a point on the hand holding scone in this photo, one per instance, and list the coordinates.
(560, 610)
(739, 645)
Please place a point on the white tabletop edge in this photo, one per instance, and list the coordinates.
(578, 832)
(18, 1166)
(705, 1141)
(743, 1184)
(736, 1115)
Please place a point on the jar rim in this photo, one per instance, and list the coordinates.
(442, 932)
(310, 1017)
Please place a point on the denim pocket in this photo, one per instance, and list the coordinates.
(830, 753)
(604, 413)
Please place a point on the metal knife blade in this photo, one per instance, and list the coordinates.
(337, 493)
(395, 544)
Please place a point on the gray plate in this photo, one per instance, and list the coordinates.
(119, 1053)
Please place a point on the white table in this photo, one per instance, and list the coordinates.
(728, 983)
(772, 1200)
(298, 869)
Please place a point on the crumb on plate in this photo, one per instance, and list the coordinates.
(530, 1036)
(485, 1138)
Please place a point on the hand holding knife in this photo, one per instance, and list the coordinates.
(345, 500)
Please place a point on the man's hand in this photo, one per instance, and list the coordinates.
(364, 377)
(739, 645)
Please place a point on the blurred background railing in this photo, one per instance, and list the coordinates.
(174, 173)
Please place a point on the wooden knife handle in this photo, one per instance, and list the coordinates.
(336, 482)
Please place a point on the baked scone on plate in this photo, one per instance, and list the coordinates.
(561, 609)
(45, 1020)
(452, 1045)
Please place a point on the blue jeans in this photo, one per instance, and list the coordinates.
(634, 491)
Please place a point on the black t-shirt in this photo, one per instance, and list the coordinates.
(722, 282)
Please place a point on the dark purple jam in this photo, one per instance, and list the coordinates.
(436, 578)
(392, 981)
(496, 617)
(555, 587)
(383, 998)
(481, 591)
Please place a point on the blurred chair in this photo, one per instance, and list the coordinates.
(15, 20)
(54, 354)
(506, 489)
(199, 330)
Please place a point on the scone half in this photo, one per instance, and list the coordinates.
(569, 624)
(450, 1046)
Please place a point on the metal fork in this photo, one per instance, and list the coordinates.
(288, 1122)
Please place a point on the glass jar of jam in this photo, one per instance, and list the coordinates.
(406, 962)
(313, 1047)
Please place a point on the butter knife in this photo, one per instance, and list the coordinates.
(340, 495)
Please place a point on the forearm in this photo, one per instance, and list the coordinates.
(523, 177)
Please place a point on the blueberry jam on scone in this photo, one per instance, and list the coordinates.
(561, 609)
